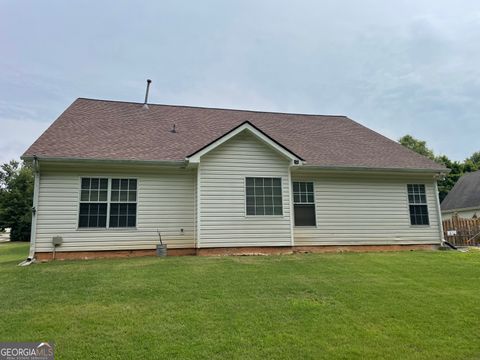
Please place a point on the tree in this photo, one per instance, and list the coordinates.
(416, 145)
(475, 158)
(16, 197)
(457, 169)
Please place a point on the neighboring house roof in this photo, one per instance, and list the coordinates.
(114, 130)
(465, 194)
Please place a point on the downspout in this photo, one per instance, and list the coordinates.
(198, 245)
(195, 189)
(439, 211)
(33, 232)
(292, 212)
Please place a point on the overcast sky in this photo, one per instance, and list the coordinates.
(397, 67)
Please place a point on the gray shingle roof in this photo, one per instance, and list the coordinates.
(465, 193)
(101, 129)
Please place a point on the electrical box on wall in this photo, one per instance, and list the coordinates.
(57, 240)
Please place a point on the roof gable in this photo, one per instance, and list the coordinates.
(252, 129)
(465, 194)
(112, 130)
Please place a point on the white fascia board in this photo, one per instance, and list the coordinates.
(195, 158)
(433, 172)
(103, 161)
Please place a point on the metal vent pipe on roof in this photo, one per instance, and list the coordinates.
(145, 105)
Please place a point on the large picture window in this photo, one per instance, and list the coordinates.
(264, 196)
(120, 208)
(304, 203)
(417, 201)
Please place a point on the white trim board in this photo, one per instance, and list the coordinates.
(195, 157)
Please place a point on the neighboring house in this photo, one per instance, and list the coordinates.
(109, 174)
(5, 235)
(464, 198)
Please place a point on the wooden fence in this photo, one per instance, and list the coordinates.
(462, 232)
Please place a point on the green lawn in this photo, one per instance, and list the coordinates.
(405, 305)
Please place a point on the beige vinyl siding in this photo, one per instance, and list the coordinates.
(366, 209)
(223, 220)
(165, 202)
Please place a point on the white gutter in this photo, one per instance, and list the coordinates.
(33, 232)
(117, 161)
(358, 168)
(186, 161)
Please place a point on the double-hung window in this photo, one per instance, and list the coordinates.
(304, 203)
(417, 201)
(123, 203)
(108, 203)
(263, 196)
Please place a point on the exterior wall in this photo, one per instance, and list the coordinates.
(351, 208)
(165, 201)
(222, 220)
(466, 214)
(366, 209)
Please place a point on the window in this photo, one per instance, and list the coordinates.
(123, 203)
(96, 207)
(304, 204)
(264, 196)
(417, 200)
(93, 203)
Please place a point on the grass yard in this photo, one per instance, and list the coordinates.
(405, 305)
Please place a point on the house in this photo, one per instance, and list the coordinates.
(5, 234)
(464, 198)
(109, 174)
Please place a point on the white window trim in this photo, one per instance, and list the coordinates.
(108, 202)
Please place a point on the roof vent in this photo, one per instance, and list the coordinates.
(145, 105)
(174, 129)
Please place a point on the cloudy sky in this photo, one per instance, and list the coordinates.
(397, 67)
